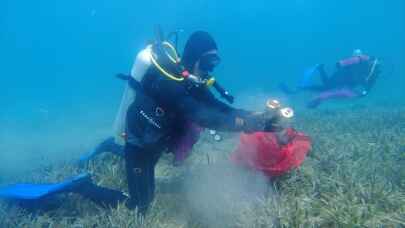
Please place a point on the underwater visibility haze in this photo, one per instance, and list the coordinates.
(59, 97)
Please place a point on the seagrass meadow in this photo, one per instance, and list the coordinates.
(353, 177)
(59, 98)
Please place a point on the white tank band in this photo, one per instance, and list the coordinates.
(139, 68)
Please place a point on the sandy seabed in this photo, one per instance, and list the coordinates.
(354, 177)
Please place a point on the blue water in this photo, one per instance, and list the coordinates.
(58, 58)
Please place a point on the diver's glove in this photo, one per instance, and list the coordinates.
(252, 123)
(275, 123)
(273, 119)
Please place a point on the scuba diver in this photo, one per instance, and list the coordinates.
(169, 95)
(166, 104)
(354, 77)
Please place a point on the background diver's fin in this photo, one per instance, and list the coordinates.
(39, 191)
(306, 80)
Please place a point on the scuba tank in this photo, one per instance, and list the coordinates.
(142, 63)
(140, 67)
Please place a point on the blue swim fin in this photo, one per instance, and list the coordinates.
(39, 191)
(306, 80)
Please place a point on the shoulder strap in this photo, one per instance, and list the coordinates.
(134, 84)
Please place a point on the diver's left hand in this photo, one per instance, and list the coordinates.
(259, 121)
(273, 121)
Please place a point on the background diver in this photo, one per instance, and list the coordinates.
(353, 77)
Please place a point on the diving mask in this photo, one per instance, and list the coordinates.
(209, 61)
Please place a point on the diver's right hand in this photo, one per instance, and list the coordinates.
(268, 121)
(274, 121)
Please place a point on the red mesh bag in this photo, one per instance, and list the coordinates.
(262, 151)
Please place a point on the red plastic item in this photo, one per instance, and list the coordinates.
(262, 151)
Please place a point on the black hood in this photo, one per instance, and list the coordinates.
(199, 43)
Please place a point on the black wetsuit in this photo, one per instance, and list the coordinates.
(156, 119)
